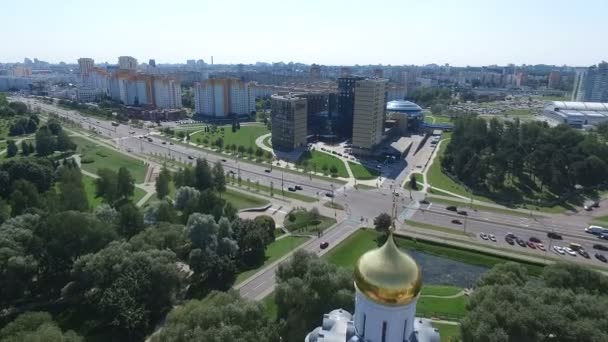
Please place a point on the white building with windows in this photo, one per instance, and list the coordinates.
(387, 285)
(221, 97)
(167, 93)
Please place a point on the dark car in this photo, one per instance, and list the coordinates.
(231, 172)
(463, 213)
(600, 257)
(509, 240)
(324, 245)
(268, 170)
(535, 239)
(554, 235)
(299, 187)
(164, 143)
(583, 253)
(190, 157)
(600, 247)
(424, 202)
(456, 222)
(451, 208)
(603, 236)
(224, 160)
(170, 143)
(292, 189)
(520, 242)
(329, 194)
(531, 244)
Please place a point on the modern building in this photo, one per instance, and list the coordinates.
(85, 66)
(408, 115)
(368, 114)
(521, 78)
(167, 93)
(127, 63)
(387, 285)
(289, 119)
(591, 84)
(554, 81)
(20, 71)
(576, 114)
(346, 104)
(221, 97)
(315, 72)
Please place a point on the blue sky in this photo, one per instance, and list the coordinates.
(466, 32)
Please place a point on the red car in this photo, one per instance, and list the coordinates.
(531, 244)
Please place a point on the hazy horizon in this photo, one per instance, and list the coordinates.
(407, 32)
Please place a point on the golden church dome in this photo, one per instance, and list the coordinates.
(388, 275)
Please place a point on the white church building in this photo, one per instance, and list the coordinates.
(387, 284)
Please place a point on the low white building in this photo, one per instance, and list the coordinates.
(576, 114)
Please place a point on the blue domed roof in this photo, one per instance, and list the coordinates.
(402, 106)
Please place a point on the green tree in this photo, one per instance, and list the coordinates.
(36, 326)
(162, 183)
(11, 149)
(219, 178)
(219, 317)
(413, 182)
(26, 148)
(72, 195)
(268, 225)
(163, 236)
(24, 196)
(125, 184)
(131, 220)
(383, 222)
(202, 175)
(106, 186)
(64, 142)
(307, 288)
(45, 142)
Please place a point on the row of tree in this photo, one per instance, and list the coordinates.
(490, 156)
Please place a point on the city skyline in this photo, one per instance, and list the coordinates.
(339, 33)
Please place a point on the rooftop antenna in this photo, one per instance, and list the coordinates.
(211, 60)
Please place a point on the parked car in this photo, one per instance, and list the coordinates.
(531, 244)
(600, 257)
(583, 253)
(451, 208)
(424, 202)
(511, 235)
(520, 242)
(569, 251)
(600, 247)
(534, 239)
(554, 235)
(540, 246)
(492, 237)
(463, 213)
(292, 189)
(509, 240)
(456, 221)
(483, 236)
(329, 194)
(299, 187)
(603, 236)
(559, 250)
(324, 245)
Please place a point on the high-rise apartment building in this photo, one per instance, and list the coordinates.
(20, 71)
(369, 113)
(221, 97)
(591, 84)
(315, 72)
(289, 121)
(346, 103)
(554, 79)
(127, 63)
(167, 93)
(85, 66)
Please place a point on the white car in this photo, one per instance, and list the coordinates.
(558, 249)
(483, 236)
(570, 251)
(492, 237)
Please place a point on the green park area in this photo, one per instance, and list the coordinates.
(323, 162)
(242, 200)
(94, 156)
(89, 188)
(362, 172)
(419, 180)
(448, 332)
(245, 136)
(437, 119)
(274, 252)
(306, 221)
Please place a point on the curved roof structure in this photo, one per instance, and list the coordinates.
(587, 106)
(402, 106)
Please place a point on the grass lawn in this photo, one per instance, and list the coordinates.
(419, 180)
(320, 159)
(303, 221)
(437, 119)
(274, 252)
(439, 290)
(348, 251)
(245, 136)
(241, 200)
(103, 157)
(444, 308)
(362, 172)
(448, 332)
(436, 228)
(270, 306)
